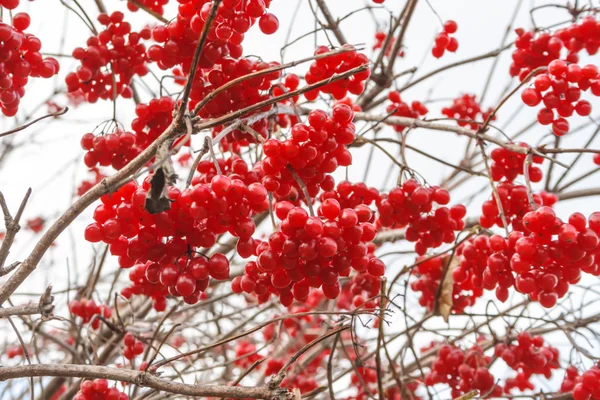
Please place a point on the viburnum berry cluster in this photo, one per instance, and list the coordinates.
(380, 38)
(560, 90)
(466, 110)
(325, 68)
(36, 225)
(98, 389)
(246, 354)
(515, 204)
(398, 108)
(411, 205)
(539, 50)
(528, 357)
(151, 120)
(20, 59)
(429, 274)
(313, 151)
(234, 19)
(238, 96)
(508, 165)
(444, 41)
(584, 386)
(110, 60)
(310, 251)
(15, 351)
(88, 311)
(541, 261)
(164, 246)
(463, 371)
(133, 347)
(113, 149)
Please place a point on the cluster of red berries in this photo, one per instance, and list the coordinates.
(515, 204)
(178, 39)
(560, 89)
(508, 165)
(463, 371)
(364, 378)
(110, 60)
(15, 351)
(351, 195)
(155, 5)
(584, 386)
(236, 139)
(534, 261)
(133, 347)
(429, 273)
(314, 151)
(311, 252)
(233, 167)
(151, 120)
(114, 149)
(164, 245)
(325, 68)
(466, 110)
(88, 309)
(36, 225)
(411, 206)
(398, 108)
(443, 40)
(98, 389)
(246, 354)
(380, 38)
(532, 52)
(239, 96)
(361, 291)
(529, 356)
(20, 58)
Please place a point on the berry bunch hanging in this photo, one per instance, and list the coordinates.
(20, 59)
(314, 151)
(398, 108)
(444, 41)
(311, 252)
(178, 40)
(325, 68)
(533, 51)
(411, 206)
(239, 96)
(87, 310)
(133, 347)
(529, 356)
(164, 245)
(584, 386)
(110, 60)
(515, 204)
(98, 389)
(560, 91)
(113, 149)
(463, 371)
(380, 38)
(508, 165)
(466, 110)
